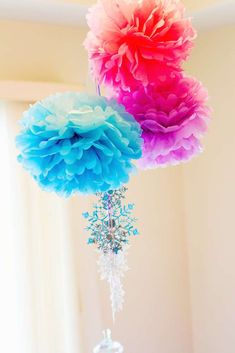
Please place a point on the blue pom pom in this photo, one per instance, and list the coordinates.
(75, 142)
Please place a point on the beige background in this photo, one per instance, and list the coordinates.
(209, 200)
(191, 4)
(181, 287)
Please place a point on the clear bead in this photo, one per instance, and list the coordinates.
(107, 345)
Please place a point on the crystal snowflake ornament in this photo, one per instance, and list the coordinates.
(111, 224)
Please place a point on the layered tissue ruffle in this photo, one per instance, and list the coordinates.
(173, 116)
(139, 41)
(78, 143)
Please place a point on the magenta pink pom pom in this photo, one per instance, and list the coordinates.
(173, 116)
(137, 40)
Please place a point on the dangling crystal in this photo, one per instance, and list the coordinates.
(112, 268)
(107, 345)
(111, 224)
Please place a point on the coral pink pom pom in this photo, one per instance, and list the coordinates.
(173, 116)
(137, 40)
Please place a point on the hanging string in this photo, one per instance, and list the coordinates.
(98, 90)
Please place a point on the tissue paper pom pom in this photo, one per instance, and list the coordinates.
(133, 40)
(173, 116)
(78, 143)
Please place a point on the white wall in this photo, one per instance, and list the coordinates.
(209, 191)
(42, 52)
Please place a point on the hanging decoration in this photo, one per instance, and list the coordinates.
(173, 116)
(111, 224)
(133, 41)
(78, 143)
(75, 142)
